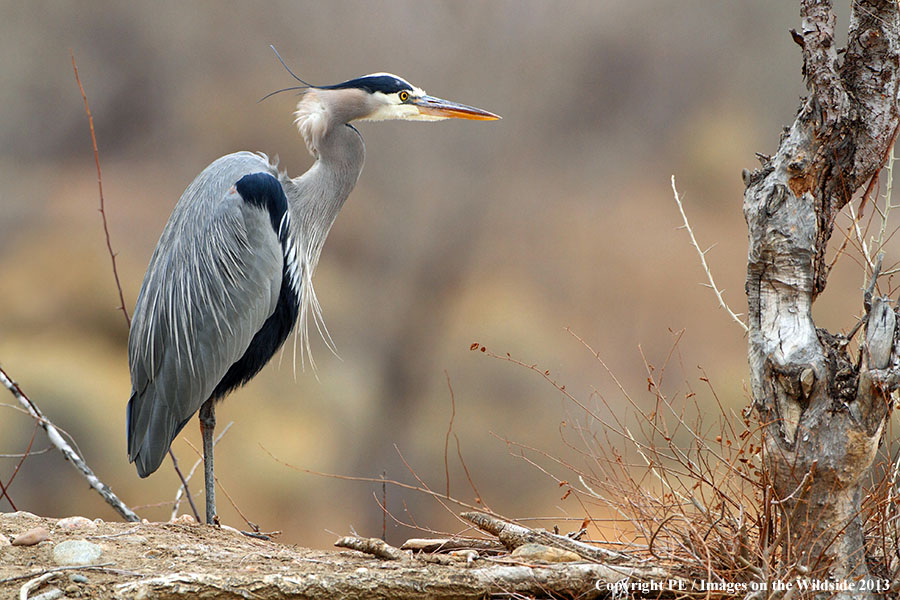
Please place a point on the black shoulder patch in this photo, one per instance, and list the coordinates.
(386, 84)
(264, 191)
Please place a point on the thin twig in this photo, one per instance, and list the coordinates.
(424, 490)
(449, 431)
(702, 254)
(114, 535)
(384, 511)
(57, 440)
(184, 489)
(112, 255)
(231, 501)
(4, 489)
(100, 567)
(465, 468)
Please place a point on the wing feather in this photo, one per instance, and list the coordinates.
(212, 282)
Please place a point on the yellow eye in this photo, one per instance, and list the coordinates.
(404, 96)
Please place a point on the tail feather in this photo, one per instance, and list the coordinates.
(151, 429)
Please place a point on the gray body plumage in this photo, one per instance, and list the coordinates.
(232, 271)
(215, 278)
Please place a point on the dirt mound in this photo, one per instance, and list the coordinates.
(187, 560)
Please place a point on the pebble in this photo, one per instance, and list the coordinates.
(544, 553)
(31, 537)
(185, 519)
(78, 578)
(76, 552)
(72, 523)
(134, 539)
(21, 514)
(51, 594)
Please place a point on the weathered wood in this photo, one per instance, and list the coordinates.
(374, 546)
(414, 582)
(513, 536)
(822, 414)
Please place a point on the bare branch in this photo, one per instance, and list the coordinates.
(372, 546)
(513, 536)
(183, 489)
(112, 255)
(702, 254)
(57, 440)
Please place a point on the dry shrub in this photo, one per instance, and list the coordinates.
(678, 479)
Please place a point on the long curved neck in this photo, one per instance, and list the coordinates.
(316, 197)
(314, 201)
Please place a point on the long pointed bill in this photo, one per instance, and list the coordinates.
(444, 109)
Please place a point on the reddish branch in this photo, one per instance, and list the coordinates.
(112, 255)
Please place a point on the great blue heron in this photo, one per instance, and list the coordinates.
(232, 272)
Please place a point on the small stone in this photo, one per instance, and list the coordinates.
(134, 539)
(31, 537)
(185, 519)
(76, 552)
(21, 514)
(78, 578)
(51, 594)
(4, 541)
(72, 523)
(544, 553)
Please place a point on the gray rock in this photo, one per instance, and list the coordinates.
(51, 594)
(76, 552)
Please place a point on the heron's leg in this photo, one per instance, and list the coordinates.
(207, 430)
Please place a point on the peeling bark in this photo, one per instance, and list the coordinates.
(822, 414)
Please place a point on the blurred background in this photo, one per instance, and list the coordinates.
(505, 233)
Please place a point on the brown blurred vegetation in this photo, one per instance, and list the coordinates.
(503, 233)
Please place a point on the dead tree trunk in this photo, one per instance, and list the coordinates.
(822, 412)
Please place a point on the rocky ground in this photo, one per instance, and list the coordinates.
(48, 559)
(130, 553)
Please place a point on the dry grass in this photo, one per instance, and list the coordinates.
(685, 486)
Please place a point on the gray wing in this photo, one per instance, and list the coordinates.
(212, 282)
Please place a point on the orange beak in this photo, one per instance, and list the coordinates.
(444, 109)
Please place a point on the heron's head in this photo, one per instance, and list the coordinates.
(375, 97)
(386, 97)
